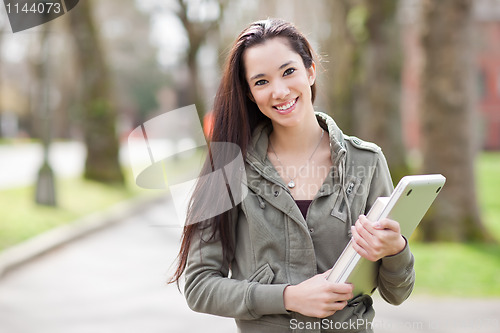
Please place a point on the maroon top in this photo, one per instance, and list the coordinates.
(303, 206)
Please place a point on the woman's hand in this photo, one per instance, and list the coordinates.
(377, 240)
(317, 297)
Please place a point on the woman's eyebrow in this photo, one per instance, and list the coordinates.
(280, 68)
(286, 64)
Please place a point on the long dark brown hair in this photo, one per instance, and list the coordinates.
(235, 118)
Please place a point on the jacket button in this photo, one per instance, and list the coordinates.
(276, 193)
(311, 230)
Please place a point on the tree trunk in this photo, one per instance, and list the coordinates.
(195, 92)
(45, 189)
(381, 87)
(98, 110)
(341, 80)
(447, 111)
(197, 33)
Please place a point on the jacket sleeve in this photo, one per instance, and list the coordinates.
(208, 288)
(396, 273)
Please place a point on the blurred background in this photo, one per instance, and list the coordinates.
(419, 78)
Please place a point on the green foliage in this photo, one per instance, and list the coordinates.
(13, 141)
(488, 183)
(99, 108)
(356, 20)
(470, 269)
(142, 84)
(144, 87)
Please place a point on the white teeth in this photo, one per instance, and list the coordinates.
(287, 106)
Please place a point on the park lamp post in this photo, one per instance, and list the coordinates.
(45, 188)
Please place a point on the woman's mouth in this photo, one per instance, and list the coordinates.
(286, 107)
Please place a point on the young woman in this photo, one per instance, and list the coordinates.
(265, 262)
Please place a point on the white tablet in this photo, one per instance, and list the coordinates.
(411, 199)
(407, 205)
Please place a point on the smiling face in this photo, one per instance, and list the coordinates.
(279, 83)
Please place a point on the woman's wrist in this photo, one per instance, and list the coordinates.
(401, 245)
(288, 298)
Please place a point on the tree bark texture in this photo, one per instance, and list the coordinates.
(99, 113)
(447, 111)
(341, 81)
(381, 85)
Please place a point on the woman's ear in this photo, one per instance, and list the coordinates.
(311, 72)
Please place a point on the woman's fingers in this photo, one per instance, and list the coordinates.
(368, 241)
(364, 251)
(388, 224)
(366, 224)
(376, 240)
(341, 288)
(363, 237)
(317, 296)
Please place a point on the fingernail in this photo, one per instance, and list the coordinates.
(376, 225)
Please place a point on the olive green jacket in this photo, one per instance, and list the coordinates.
(276, 247)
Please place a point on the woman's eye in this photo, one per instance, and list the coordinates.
(260, 82)
(289, 71)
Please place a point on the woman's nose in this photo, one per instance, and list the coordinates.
(280, 90)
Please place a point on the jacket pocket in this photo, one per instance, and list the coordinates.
(263, 275)
(339, 209)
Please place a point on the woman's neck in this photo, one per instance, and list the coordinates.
(298, 139)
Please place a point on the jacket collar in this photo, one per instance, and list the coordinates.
(257, 148)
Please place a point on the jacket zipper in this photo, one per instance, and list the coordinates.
(350, 187)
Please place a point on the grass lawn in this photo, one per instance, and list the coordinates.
(471, 270)
(465, 270)
(22, 218)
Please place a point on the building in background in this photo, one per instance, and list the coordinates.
(487, 14)
(487, 49)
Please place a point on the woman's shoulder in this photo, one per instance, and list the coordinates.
(357, 143)
(345, 141)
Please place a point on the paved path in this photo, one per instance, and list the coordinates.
(113, 281)
(109, 282)
(438, 315)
